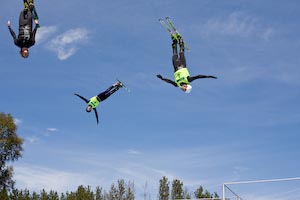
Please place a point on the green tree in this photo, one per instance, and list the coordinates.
(35, 196)
(130, 191)
(44, 195)
(113, 192)
(84, 193)
(177, 189)
(99, 195)
(24, 195)
(53, 195)
(164, 189)
(63, 197)
(10, 149)
(199, 192)
(3, 194)
(121, 190)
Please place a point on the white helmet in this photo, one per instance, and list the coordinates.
(188, 89)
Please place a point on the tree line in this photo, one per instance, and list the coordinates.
(11, 150)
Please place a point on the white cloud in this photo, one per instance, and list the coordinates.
(32, 139)
(66, 44)
(237, 24)
(17, 121)
(52, 129)
(44, 33)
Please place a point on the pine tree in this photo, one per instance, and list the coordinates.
(177, 190)
(99, 195)
(164, 190)
(130, 191)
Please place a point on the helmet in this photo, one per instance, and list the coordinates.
(188, 89)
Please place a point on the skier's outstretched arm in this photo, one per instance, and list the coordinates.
(81, 97)
(192, 78)
(32, 37)
(96, 115)
(167, 80)
(34, 32)
(11, 32)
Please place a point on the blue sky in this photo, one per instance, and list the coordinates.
(242, 126)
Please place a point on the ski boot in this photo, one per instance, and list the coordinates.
(121, 85)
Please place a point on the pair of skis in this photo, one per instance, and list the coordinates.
(170, 27)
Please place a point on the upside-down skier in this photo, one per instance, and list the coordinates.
(26, 36)
(94, 101)
(182, 77)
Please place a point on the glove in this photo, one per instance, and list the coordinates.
(159, 76)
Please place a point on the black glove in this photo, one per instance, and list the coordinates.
(159, 76)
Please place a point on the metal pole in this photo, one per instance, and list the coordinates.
(263, 181)
(223, 193)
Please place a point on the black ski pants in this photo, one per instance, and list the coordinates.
(178, 60)
(104, 95)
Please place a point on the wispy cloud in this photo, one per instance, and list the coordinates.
(52, 129)
(37, 134)
(49, 131)
(237, 24)
(147, 167)
(66, 44)
(134, 152)
(44, 33)
(32, 139)
(36, 178)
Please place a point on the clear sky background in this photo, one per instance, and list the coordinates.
(242, 126)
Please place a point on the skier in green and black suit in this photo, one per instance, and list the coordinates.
(181, 74)
(26, 36)
(93, 102)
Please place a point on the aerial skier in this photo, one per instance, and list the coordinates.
(26, 37)
(94, 101)
(181, 74)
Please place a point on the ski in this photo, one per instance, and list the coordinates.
(172, 25)
(175, 30)
(166, 26)
(172, 30)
